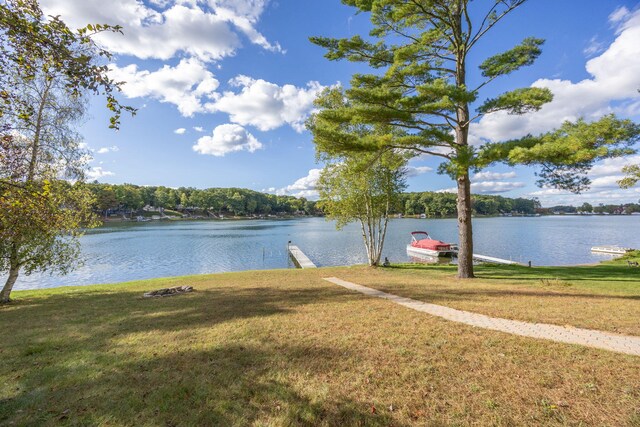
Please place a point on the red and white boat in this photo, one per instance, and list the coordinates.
(422, 244)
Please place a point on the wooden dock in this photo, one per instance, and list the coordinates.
(299, 258)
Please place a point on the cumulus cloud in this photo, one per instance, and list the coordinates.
(198, 129)
(606, 194)
(98, 172)
(612, 166)
(614, 79)
(180, 131)
(489, 182)
(192, 88)
(495, 187)
(412, 171)
(303, 187)
(266, 105)
(244, 15)
(604, 186)
(226, 139)
(189, 27)
(186, 85)
(105, 150)
(492, 176)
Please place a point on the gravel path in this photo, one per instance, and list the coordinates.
(587, 337)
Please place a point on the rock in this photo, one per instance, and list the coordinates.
(167, 292)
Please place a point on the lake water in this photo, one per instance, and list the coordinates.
(131, 251)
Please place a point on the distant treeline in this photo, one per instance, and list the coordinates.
(128, 198)
(440, 205)
(230, 201)
(620, 209)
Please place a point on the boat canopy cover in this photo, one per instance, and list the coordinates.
(428, 243)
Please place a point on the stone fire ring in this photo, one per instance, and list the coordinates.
(169, 292)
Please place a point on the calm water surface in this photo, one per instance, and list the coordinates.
(131, 251)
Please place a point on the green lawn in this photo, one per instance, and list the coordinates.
(284, 347)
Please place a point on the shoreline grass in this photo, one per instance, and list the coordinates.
(283, 347)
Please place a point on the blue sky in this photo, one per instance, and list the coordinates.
(223, 88)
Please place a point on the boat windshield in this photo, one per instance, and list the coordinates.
(419, 235)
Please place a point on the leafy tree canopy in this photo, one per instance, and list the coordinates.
(36, 45)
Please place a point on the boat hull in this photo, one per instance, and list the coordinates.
(429, 252)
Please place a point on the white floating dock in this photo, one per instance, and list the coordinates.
(611, 249)
(495, 260)
(299, 257)
(485, 258)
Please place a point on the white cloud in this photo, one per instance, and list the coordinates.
(266, 105)
(98, 172)
(180, 131)
(488, 187)
(244, 15)
(303, 187)
(604, 182)
(612, 166)
(604, 186)
(495, 187)
(105, 150)
(448, 190)
(615, 78)
(620, 15)
(412, 171)
(198, 129)
(605, 194)
(594, 47)
(186, 85)
(487, 183)
(226, 139)
(492, 176)
(166, 29)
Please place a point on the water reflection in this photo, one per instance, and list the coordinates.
(425, 259)
(132, 251)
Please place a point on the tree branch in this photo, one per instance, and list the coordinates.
(482, 31)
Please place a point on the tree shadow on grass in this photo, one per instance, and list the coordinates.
(125, 311)
(68, 362)
(226, 386)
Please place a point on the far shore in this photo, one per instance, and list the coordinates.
(119, 218)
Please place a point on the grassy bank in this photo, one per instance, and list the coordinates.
(286, 348)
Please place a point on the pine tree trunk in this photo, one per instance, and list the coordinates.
(465, 232)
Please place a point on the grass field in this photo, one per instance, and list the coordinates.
(284, 347)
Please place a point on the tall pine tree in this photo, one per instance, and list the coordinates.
(419, 49)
